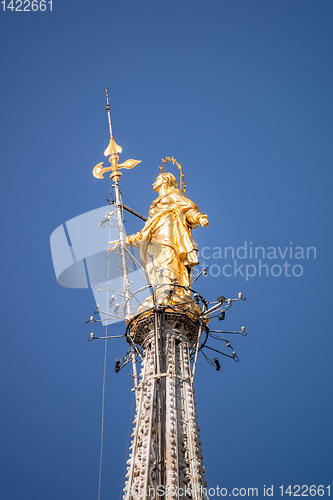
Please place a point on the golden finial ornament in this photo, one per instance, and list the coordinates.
(171, 159)
(112, 151)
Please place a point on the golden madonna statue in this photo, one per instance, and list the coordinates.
(168, 252)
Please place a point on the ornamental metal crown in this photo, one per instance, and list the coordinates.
(169, 159)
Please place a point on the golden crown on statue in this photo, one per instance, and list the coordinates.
(171, 159)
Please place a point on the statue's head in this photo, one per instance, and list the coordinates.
(167, 179)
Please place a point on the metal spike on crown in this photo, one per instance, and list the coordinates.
(169, 159)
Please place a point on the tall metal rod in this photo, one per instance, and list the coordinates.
(196, 354)
(126, 283)
(197, 347)
(122, 250)
(108, 111)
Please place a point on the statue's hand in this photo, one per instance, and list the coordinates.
(134, 239)
(203, 220)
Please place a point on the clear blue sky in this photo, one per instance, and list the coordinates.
(240, 92)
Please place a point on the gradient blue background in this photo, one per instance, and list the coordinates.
(240, 92)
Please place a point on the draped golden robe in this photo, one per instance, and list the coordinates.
(167, 249)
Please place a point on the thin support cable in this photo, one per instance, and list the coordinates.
(208, 359)
(104, 379)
